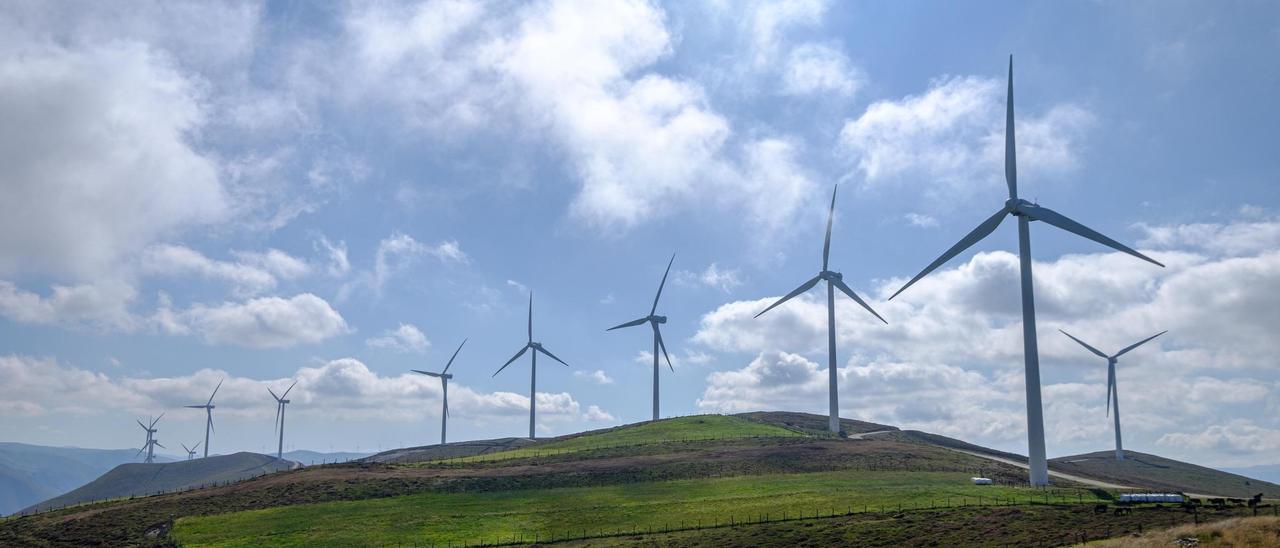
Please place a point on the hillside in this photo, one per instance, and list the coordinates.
(308, 458)
(446, 451)
(1158, 473)
(135, 479)
(32, 473)
(676, 473)
(1264, 472)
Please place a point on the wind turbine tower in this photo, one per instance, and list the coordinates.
(533, 371)
(280, 403)
(654, 320)
(1113, 397)
(835, 281)
(444, 377)
(208, 413)
(1025, 212)
(150, 445)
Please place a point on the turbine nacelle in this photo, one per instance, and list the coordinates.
(658, 319)
(535, 345)
(830, 276)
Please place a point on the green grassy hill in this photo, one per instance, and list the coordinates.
(658, 476)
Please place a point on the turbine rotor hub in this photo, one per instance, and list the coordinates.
(830, 275)
(535, 345)
(658, 319)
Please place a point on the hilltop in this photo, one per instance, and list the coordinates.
(1159, 473)
(32, 473)
(709, 469)
(135, 479)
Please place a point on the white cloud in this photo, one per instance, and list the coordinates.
(266, 322)
(954, 133)
(406, 338)
(921, 220)
(397, 253)
(1239, 436)
(595, 414)
(103, 305)
(336, 253)
(713, 276)
(819, 69)
(99, 156)
(769, 21)
(280, 264)
(597, 376)
(1230, 239)
(182, 261)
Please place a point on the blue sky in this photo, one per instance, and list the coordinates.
(337, 194)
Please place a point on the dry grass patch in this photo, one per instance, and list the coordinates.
(1236, 532)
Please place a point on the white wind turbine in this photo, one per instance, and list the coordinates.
(1025, 212)
(150, 445)
(208, 413)
(280, 403)
(444, 377)
(654, 320)
(191, 451)
(1113, 397)
(533, 371)
(835, 281)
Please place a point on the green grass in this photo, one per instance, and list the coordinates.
(474, 516)
(701, 427)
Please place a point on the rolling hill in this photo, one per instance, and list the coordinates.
(1155, 472)
(32, 473)
(662, 482)
(136, 479)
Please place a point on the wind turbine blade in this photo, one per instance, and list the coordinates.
(1010, 157)
(428, 373)
(845, 289)
(631, 323)
(144, 427)
(273, 394)
(1111, 382)
(275, 427)
(455, 355)
(215, 392)
(211, 428)
(153, 423)
(286, 392)
(196, 446)
(803, 287)
(184, 447)
(826, 244)
(1137, 344)
(1082, 343)
(446, 408)
(513, 358)
(658, 334)
(552, 356)
(160, 445)
(1059, 220)
(139, 452)
(662, 284)
(195, 406)
(530, 317)
(987, 227)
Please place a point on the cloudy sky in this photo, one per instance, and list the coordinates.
(335, 193)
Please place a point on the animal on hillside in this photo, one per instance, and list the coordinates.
(1099, 508)
(1255, 500)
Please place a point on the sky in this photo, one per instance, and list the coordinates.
(337, 193)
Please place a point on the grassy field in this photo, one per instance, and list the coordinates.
(1249, 531)
(457, 517)
(702, 427)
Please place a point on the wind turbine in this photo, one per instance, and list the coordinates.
(1112, 395)
(444, 377)
(1025, 212)
(208, 413)
(533, 371)
(280, 403)
(150, 445)
(654, 320)
(834, 281)
(191, 451)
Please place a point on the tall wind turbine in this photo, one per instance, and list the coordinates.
(444, 377)
(1112, 395)
(150, 445)
(1025, 212)
(208, 413)
(834, 281)
(191, 451)
(280, 403)
(654, 320)
(533, 371)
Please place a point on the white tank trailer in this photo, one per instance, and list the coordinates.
(1152, 497)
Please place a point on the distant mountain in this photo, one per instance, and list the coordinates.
(1264, 472)
(141, 479)
(308, 458)
(32, 473)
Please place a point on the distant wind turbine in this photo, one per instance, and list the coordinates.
(1112, 394)
(1025, 212)
(280, 403)
(208, 412)
(834, 281)
(444, 377)
(654, 320)
(150, 445)
(533, 371)
(191, 451)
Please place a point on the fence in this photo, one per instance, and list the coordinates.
(525, 453)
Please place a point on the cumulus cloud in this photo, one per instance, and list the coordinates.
(265, 322)
(336, 255)
(1240, 436)
(597, 376)
(103, 305)
(406, 338)
(397, 253)
(820, 69)
(954, 133)
(724, 279)
(182, 261)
